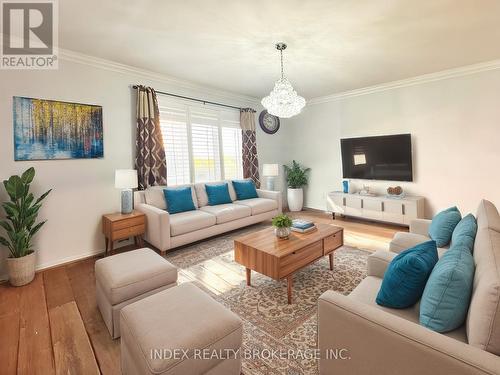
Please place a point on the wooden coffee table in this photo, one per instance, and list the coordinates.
(263, 252)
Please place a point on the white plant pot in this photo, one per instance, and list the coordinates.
(295, 198)
(21, 270)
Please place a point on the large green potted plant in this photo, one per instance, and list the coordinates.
(20, 226)
(296, 178)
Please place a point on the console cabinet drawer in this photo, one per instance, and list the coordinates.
(353, 202)
(126, 223)
(372, 205)
(300, 258)
(395, 208)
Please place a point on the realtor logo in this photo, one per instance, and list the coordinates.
(29, 34)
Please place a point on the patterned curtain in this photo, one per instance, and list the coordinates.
(250, 160)
(150, 160)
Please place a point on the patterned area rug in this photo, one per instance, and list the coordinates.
(269, 322)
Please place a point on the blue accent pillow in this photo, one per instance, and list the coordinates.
(218, 194)
(443, 224)
(465, 232)
(179, 199)
(447, 295)
(405, 277)
(245, 189)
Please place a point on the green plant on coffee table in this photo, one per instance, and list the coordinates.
(296, 175)
(21, 214)
(282, 221)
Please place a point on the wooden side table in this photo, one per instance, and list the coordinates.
(119, 226)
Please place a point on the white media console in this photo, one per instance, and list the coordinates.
(382, 208)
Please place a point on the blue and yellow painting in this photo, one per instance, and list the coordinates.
(48, 129)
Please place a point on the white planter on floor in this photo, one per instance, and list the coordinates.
(295, 198)
(21, 271)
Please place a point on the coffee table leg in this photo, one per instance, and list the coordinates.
(289, 281)
(331, 260)
(249, 276)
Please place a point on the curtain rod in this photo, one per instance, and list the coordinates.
(193, 99)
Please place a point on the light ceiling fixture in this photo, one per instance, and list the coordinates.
(283, 101)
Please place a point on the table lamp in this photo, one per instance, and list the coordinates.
(270, 171)
(126, 179)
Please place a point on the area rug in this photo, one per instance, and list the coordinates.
(270, 324)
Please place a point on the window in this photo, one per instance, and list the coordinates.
(202, 143)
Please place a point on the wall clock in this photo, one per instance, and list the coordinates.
(269, 123)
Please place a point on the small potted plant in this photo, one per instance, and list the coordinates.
(296, 178)
(20, 226)
(282, 225)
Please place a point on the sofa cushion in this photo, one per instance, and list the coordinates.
(179, 199)
(465, 232)
(405, 240)
(190, 221)
(218, 194)
(483, 319)
(259, 205)
(228, 212)
(443, 224)
(201, 192)
(446, 296)
(127, 275)
(405, 277)
(154, 196)
(180, 318)
(245, 189)
(367, 290)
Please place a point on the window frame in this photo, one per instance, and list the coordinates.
(189, 107)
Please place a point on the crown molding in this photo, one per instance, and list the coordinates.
(426, 78)
(176, 83)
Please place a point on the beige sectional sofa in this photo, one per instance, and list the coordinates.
(380, 340)
(166, 231)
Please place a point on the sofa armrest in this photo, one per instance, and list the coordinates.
(274, 195)
(378, 262)
(420, 226)
(157, 226)
(377, 342)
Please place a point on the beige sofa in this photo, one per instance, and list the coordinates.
(379, 340)
(419, 232)
(166, 231)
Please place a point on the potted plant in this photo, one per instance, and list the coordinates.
(296, 177)
(282, 225)
(20, 226)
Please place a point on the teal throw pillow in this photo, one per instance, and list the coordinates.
(405, 277)
(447, 295)
(443, 224)
(179, 199)
(465, 232)
(245, 189)
(218, 194)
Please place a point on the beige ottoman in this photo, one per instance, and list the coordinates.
(128, 277)
(182, 320)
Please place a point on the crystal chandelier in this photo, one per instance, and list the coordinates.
(283, 101)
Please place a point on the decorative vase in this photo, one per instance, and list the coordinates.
(295, 198)
(21, 271)
(282, 232)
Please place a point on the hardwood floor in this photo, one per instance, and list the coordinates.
(53, 326)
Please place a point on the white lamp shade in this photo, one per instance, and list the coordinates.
(270, 170)
(125, 178)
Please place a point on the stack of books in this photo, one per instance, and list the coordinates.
(303, 226)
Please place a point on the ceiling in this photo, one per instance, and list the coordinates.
(333, 45)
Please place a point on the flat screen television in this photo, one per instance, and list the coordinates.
(377, 158)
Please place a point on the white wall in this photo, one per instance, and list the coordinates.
(82, 189)
(455, 126)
